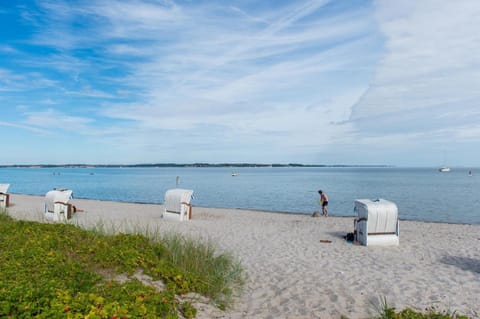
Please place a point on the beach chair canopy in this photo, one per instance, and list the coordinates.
(4, 188)
(177, 203)
(376, 222)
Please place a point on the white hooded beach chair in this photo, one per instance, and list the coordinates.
(4, 196)
(376, 223)
(57, 207)
(177, 204)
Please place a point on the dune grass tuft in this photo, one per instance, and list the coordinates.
(221, 276)
(387, 312)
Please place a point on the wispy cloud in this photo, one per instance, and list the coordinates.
(224, 75)
(55, 120)
(23, 127)
(8, 49)
(427, 79)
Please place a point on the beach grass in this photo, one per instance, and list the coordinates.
(388, 312)
(223, 277)
(64, 271)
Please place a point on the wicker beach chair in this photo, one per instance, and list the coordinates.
(376, 223)
(177, 204)
(4, 196)
(57, 207)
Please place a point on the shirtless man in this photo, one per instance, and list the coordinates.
(324, 203)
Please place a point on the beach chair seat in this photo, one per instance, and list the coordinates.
(177, 204)
(377, 222)
(57, 206)
(4, 196)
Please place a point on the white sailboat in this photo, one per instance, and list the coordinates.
(444, 168)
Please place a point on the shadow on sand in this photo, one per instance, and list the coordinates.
(464, 263)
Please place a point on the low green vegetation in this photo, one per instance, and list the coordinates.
(409, 313)
(387, 312)
(63, 271)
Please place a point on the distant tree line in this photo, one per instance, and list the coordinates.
(181, 165)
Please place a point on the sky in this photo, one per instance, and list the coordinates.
(307, 81)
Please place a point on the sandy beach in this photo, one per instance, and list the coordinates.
(292, 274)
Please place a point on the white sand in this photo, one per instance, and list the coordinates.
(291, 274)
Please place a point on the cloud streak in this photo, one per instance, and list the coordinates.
(427, 78)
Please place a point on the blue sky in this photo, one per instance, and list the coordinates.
(314, 82)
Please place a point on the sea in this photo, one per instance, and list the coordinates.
(422, 194)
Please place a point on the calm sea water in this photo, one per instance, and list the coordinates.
(420, 193)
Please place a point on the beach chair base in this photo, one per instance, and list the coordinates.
(4, 200)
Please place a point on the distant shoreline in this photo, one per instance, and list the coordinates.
(238, 165)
